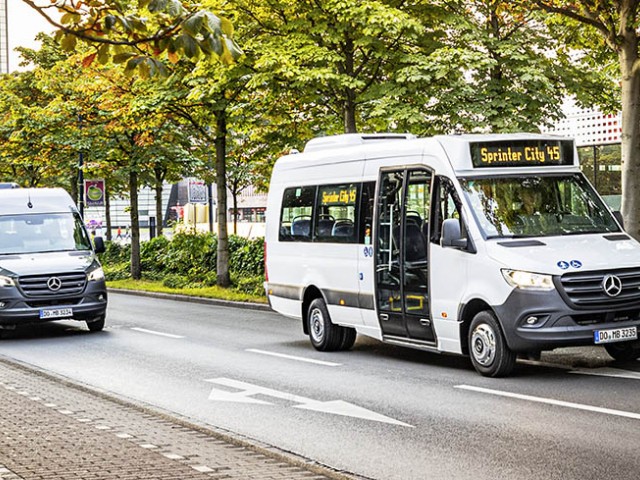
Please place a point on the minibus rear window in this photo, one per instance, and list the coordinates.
(536, 205)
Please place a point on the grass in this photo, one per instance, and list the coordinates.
(205, 292)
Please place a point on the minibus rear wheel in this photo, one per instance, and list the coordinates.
(488, 349)
(324, 335)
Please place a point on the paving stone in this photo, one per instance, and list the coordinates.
(51, 429)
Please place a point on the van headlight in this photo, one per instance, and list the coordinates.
(7, 281)
(528, 280)
(97, 274)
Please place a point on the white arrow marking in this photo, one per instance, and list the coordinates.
(608, 372)
(335, 407)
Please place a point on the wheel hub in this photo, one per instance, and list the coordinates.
(317, 325)
(483, 345)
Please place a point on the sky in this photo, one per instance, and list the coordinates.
(24, 24)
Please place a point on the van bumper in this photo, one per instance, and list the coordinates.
(535, 321)
(18, 310)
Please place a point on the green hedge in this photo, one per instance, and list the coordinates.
(189, 260)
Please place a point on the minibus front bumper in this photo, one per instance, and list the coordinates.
(535, 320)
(16, 309)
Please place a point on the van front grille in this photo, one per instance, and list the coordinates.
(587, 289)
(54, 284)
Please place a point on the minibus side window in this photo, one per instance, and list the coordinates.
(296, 214)
(335, 217)
(448, 206)
(367, 198)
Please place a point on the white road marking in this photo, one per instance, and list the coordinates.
(550, 401)
(608, 372)
(335, 407)
(153, 332)
(291, 357)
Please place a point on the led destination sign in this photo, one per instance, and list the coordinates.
(522, 153)
(338, 196)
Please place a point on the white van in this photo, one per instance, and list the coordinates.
(483, 245)
(48, 265)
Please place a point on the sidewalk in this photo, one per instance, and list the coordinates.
(51, 429)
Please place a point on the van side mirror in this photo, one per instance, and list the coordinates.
(451, 234)
(98, 245)
(617, 214)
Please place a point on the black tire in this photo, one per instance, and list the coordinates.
(348, 338)
(324, 335)
(623, 352)
(488, 350)
(96, 325)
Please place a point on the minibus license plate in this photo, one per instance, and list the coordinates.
(615, 335)
(56, 313)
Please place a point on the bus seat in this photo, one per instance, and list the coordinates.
(342, 228)
(415, 244)
(325, 227)
(301, 227)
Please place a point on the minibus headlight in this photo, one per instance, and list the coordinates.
(528, 280)
(97, 274)
(7, 281)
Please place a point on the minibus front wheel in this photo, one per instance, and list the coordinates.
(324, 335)
(488, 349)
(624, 351)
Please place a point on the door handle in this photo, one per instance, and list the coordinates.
(425, 322)
(384, 317)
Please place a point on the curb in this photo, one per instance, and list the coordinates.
(192, 299)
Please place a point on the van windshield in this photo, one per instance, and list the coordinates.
(537, 206)
(42, 232)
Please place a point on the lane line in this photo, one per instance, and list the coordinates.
(608, 372)
(291, 357)
(550, 401)
(153, 332)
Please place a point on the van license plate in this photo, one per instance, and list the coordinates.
(56, 313)
(615, 335)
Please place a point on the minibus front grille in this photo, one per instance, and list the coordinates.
(63, 284)
(586, 290)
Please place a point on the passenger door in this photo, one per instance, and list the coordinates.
(402, 275)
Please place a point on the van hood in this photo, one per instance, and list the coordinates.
(46, 263)
(569, 253)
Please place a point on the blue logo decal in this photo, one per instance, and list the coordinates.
(563, 265)
(368, 251)
(575, 263)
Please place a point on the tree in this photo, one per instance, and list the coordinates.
(616, 24)
(140, 33)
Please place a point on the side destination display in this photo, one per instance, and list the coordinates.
(522, 153)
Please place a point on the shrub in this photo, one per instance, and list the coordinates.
(246, 257)
(251, 285)
(118, 271)
(152, 255)
(115, 253)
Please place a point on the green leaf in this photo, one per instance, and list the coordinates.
(69, 42)
(156, 6)
(193, 24)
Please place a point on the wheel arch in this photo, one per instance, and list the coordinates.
(309, 295)
(467, 312)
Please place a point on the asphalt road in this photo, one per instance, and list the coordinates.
(378, 411)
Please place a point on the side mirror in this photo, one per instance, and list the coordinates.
(451, 234)
(617, 214)
(98, 245)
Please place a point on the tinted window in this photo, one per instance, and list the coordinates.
(297, 213)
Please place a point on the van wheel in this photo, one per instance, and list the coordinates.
(324, 335)
(348, 338)
(96, 325)
(489, 352)
(623, 352)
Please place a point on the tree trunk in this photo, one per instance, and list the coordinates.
(222, 266)
(159, 216)
(136, 267)
(235, 210)
(107, 212)
(630, 73)
(350, 111)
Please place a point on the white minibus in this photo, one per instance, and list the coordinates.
(491, 246)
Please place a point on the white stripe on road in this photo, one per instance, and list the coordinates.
(550, 401)
(291, 357)
(608, 372)
(153, 332)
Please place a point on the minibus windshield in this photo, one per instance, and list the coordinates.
(42, 232)
(537, 206)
